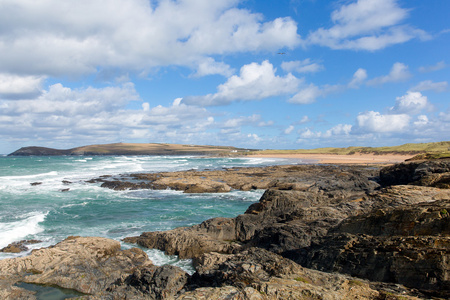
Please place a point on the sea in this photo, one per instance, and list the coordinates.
(35, 202)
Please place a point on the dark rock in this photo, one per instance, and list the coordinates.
(35, 183)
(152, 282)
(38, 151)
(415, 172)
(408, 244)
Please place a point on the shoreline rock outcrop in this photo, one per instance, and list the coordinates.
(381, 232)
(313, 229)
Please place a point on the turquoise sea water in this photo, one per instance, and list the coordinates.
(46, 213)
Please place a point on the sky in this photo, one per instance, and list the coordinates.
(260, 74)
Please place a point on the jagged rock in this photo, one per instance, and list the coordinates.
(19, 246)
(87, 265)
(259, 274)
(119, 185)
(152, 282)
(333, 222)
(408, 244)
(415, 172)
(189, 242)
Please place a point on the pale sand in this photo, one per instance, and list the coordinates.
(343, 159)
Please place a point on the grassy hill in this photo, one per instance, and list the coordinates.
(133, 149)
(433, 149)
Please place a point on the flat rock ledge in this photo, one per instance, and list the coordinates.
(285, 177)
(322, 232)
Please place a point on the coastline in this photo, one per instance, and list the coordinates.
(285, 245)
(357, 158)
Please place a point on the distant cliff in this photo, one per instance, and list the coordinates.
(130, 149)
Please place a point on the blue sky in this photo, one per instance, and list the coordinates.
(283, 74)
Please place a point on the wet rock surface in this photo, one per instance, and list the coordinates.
(318, 232)
(19, 246)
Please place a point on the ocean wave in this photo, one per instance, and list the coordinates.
(18, 230)
(47, 174)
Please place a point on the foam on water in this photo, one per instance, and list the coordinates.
(17, 230)
(44, 212)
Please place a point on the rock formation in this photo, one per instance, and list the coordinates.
(314, 228)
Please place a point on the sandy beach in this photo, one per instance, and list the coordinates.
(343, 159)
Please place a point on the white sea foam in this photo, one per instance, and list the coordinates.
(18, 230)
(159, 258)
(41, 175)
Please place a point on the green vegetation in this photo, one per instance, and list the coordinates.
(301, 279)
(438, 150)
(355, 283)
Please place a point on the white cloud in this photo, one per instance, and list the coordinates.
(65, 116)
(358, 78)
(307, 95)
(210, 67)
(374, 122)
(438, 66)
(304, 119)
(308, 134)
(421, 120)
(428, 85)
(146, 106)
(20, 87)
(340, 129)
(310, 93)
(131, 34)
(254, 137)
(411, 103)
(289, 130)
(255, 82)
(62, 100)
(302, 66)
(366, 25)
(241, 121)
(399, 72)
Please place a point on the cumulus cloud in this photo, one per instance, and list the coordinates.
(411, 103)
(306, 95)
(374, 122)
(421, 120)
(358, 78)
(302, 66)
(255, 82)
(74, 39)
(366, 25)
(310, 93)
(429, 85)
(63, 100)
(289, 130)
(211, 67)
(62, 114)
(338, 130)
(20, 87)
(399, 72)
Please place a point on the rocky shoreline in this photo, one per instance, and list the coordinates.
(318, 232)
